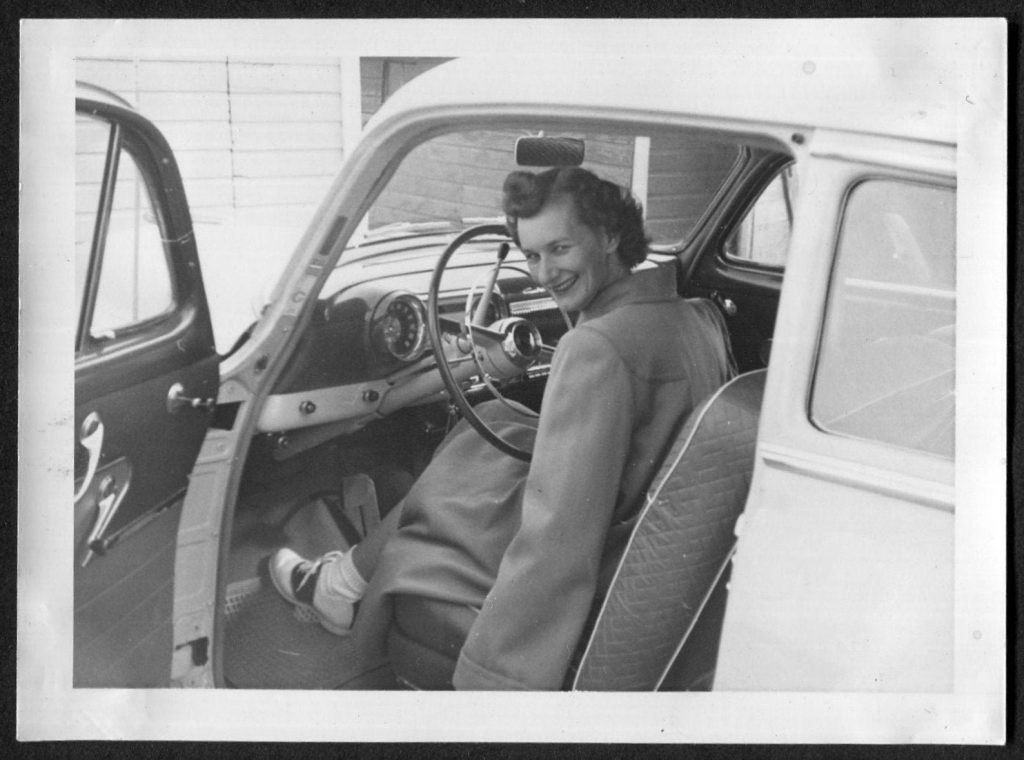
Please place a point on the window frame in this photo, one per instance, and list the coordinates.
(120, 142)
(853, 183)
(703, 258)
(742, 263)
(787, 440)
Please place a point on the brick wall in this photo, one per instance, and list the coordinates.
(684, 175)
(381, 77)
(460, 175)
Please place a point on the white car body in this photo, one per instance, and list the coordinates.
(906, 500)
(848, 572)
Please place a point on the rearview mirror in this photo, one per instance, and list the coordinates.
(549, 151)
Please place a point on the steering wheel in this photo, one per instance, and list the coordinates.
(508, 347)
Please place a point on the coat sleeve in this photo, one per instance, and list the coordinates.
(530, 622)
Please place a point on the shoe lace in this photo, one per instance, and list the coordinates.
(313, 568)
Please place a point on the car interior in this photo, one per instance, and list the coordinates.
(359, 409)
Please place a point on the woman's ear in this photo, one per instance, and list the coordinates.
(611, 243)
(611, 248)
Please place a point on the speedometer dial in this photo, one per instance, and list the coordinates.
(398, 326)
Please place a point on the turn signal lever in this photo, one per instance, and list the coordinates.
(480, 316)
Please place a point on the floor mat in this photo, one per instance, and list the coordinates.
(272, 645)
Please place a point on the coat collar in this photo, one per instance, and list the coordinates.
(640, 286)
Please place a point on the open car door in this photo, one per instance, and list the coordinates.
(146, 378)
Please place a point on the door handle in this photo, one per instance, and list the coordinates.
(91, 438)
(727, 305)
(178, 401)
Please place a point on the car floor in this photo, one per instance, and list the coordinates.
(269, 644)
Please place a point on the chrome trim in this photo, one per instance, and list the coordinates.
(532, 306)
(897, 485)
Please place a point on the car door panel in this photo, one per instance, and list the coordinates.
(882, 567)
(159, 466)
(102, 495)
(855, 449)
(123, 605)
(136, 442)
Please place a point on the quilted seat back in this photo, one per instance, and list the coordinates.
(681, 544)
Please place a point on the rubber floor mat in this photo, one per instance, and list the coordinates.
(271, 645)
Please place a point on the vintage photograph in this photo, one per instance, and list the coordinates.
(662, 356)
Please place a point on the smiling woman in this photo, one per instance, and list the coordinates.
(482, 530)
(579, 247)
(578, 233)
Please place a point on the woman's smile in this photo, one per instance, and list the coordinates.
(561, 287)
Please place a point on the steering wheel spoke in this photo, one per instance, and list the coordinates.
(500, 351)
(450, 325)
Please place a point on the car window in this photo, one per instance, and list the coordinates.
(762, 237)
(458, 176)
(887, 356)
(91, 137)
(134, 279)
(135, 282)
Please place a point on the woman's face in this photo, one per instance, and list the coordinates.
(570, 260)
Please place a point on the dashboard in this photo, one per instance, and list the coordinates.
(366, 352)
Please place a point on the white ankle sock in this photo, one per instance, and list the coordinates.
(341, 578)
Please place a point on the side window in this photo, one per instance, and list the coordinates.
(762, 237)
(134, 280)
(91, 139)
(887, 357)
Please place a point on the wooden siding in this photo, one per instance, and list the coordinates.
(253, 137)
(381, 78)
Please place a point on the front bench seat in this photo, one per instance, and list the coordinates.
(680, 546)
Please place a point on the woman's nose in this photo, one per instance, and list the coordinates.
(544, 271)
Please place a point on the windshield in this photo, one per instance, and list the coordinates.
(455, 179)
(442, 186)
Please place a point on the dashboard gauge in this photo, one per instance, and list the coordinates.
(398, 327)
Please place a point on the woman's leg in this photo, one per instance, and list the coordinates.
(332, 584)
(366, 553)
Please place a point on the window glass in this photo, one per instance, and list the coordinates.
(887, 358)
(763, 235)
(91, 137)
(456, 178)
(135, 283)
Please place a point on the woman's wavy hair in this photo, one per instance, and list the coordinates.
(600, 204)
